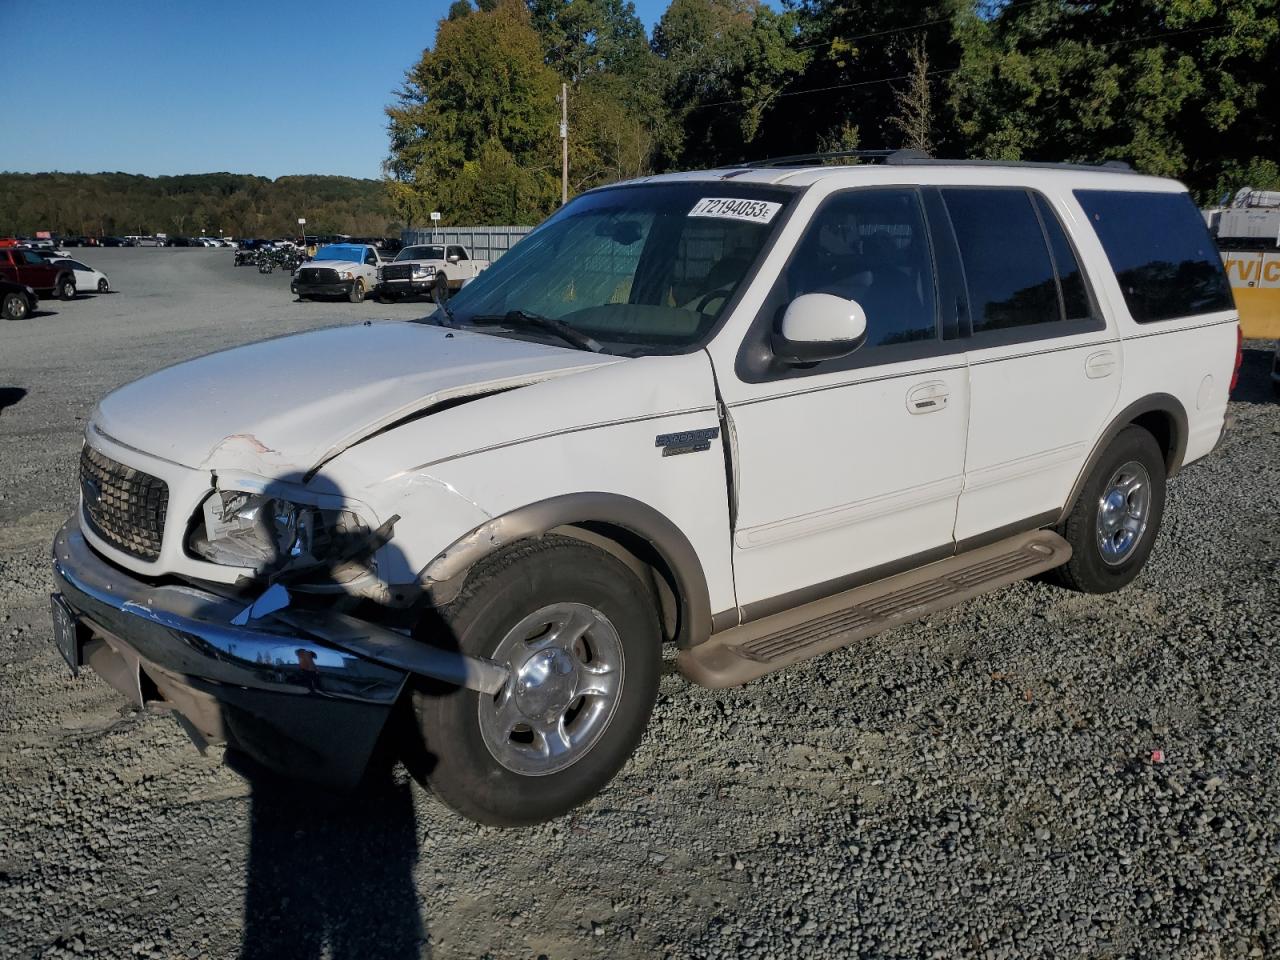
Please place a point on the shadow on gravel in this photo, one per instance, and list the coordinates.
(1255, 376)
(9, 396)
(331, 876)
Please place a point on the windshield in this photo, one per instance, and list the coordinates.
(421, 253)
(641, 269)
(354, 254)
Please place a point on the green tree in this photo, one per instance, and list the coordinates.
(480, 95)
(1177, 87)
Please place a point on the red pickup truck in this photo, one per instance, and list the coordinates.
(29, 268)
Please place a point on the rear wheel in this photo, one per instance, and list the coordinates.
(578, 633)
(357, 291)
(1112, 526)
(66, 289)
(14, 307)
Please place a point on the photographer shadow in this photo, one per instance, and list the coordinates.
(331, 874)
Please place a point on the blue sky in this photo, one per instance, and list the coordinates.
(269, 87)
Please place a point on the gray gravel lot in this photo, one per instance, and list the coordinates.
(978, 784)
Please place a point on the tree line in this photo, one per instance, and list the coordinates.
(215, 204)
(1182, 88)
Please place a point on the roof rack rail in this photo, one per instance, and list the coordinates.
(912, 157)
(885, 156)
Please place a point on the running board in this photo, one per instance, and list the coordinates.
(742, 654)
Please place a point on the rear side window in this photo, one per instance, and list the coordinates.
(1075, 299)
(1161, 252)
(1008, 270)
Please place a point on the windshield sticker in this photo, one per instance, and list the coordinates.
(753, 211)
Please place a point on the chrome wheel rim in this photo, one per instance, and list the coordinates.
(565, 667)
(1123, 512)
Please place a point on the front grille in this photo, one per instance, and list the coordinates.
(317, 275)
(397, 271)
(123, 506)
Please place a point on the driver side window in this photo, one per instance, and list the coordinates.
(871, 246)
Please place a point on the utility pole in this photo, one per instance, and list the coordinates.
(564, 144)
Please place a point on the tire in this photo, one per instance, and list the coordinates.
(504, 779)
(14, 307)
(66, 289)
(357, 291)
(103, 287)
(1115, 494)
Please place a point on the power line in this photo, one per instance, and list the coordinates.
(936, 73)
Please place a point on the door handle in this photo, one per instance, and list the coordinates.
(928, 397)
(1100, 364)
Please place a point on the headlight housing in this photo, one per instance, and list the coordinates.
(346, 275)
(423, 270)
(270, 534)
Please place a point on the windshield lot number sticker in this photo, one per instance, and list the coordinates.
(753, 211)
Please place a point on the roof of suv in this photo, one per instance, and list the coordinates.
(928, 171)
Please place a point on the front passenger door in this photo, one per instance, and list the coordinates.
(849, 469)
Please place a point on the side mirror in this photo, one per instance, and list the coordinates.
(453, 258)
(819, 326)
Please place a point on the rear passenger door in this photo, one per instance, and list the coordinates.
(1044, 366)
(7, 269)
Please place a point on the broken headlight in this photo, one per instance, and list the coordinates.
(271, 534)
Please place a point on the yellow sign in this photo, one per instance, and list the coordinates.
(1255, 281)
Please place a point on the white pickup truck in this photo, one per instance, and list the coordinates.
(755, 413)
(435, 269)
(348, 270)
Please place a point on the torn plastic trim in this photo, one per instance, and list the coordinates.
(442, 579)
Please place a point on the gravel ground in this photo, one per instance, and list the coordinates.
(979, 784)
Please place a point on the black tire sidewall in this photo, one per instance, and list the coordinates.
(66, 290)
(1091, 571)
(463, 771)
(6, 307)
(357, 291)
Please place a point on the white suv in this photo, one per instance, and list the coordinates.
(757, 413)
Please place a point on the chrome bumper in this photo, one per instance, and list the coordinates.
(284, 693)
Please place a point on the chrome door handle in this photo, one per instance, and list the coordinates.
(1100, 364)
(928, 397)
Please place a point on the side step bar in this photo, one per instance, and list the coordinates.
(742, 654)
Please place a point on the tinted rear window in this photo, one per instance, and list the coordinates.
(1161, 252)
(1006, 258)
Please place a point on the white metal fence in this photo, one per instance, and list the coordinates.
(485, 243)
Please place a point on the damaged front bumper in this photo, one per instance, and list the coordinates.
(304, 693)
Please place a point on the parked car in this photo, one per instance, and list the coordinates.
(338, 270)
(115, 242)
(52, 254)
(757, 413)
(148, 242)
(437, 269)
(30, 269)
(17, 300)
(87, 278)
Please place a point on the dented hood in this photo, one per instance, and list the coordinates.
(285, 406)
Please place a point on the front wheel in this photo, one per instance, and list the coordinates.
(357, 292)
(1112, 526)
(14, 307)
(103, 287)
(578, 633)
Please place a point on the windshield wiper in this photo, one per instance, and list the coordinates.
(520, 318)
